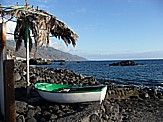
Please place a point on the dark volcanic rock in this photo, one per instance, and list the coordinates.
(124, 63)
(39, 61)
(94, 118)
(21, 107)
(121, 103)
(32, 120)
(20, 118)
(17, 76)
(31, 113)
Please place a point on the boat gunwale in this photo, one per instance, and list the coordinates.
(86, 91)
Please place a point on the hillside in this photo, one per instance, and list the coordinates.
(43, 52)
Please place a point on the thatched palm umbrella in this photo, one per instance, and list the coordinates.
(41, 24)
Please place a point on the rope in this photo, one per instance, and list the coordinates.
(13, 34)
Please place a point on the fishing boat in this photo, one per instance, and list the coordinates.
(62, 93)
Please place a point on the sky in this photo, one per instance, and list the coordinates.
(107, 29)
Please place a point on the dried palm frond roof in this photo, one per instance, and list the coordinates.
(40, 23)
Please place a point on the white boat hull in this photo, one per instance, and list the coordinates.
(73, 97)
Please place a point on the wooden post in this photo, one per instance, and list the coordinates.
(10, 113)
(2, 104)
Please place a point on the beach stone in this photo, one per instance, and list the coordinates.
(55, 107)
(40, 118)
(115, 108)
(53, 116)
(51, 81)
(30, 113)
(33, 78)
(142, 95)
(20, 83)
(105, 116)
(20, 118)
(62, 106)
(108, 108)
(146, 95)
(94, 118)
(47, 115)
(21, 107)
(17, 76)
(32, 120)
(115, 113)
(81, 76)
(24, 72)
(31, 107)
(60, 113)
(38, 109)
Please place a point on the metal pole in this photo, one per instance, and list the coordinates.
(2, 57)
(27, 55)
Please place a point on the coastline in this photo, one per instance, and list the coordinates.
(122, 103)
(149, 74)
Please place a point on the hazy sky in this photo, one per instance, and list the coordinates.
(108, 29)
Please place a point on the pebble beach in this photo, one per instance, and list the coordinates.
(121, 104)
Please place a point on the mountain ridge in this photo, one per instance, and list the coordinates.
(43, 52)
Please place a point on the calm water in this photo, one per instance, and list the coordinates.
(149, 74)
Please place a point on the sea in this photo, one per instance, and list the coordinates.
(149, 74)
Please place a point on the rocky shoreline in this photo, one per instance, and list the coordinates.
(122, 103)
